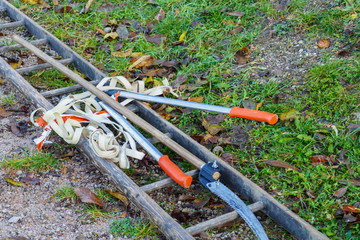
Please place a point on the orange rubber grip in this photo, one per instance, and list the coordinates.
(254, 115)
(174, 172)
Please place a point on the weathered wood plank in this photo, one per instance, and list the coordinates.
(12, 24)
(13, 47)
(41, 66)
(220, 220)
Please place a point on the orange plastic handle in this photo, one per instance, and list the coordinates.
(254, 115)
(174, 172)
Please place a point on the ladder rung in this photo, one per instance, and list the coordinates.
(12, 24)
(165, 182)
(220, 220)
(18, 46)
(42, 66)
(65, 90)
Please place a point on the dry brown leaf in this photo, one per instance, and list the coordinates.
(236, 14)
(3, 113)
(340, 192)
(242, 56)
(212, 128)
(88, 5)
(196, 99)
(278, 163)
(15, 65)
(157, 39)
(352, 181)
(55, 2)
(30, 180)
(349, 208)
(161, 15)
(15, 130)
(323, 43)
(320, 159)
(125, 53)
(142, 61)
(199, 203)
(118, 195)
(237, 30)
(101, 31)
(87, 196)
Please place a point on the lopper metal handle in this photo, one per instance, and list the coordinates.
(174, 172)
(253, 115)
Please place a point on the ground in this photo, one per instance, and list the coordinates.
(298, 59)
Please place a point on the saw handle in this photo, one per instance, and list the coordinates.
(174, 172)
(254, 115)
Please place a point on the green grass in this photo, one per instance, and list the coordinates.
(65, 192)
(33, 162)
(136, 229)
(327, 96)
(7, 99)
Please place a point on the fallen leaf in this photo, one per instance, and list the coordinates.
(157, 39)
(13, 182)
(215, 118)
(242, 56)
(16, 130)
(349, 208)
(323, 43)
(112, 35)
(236, 14)
(278, 163)
(184, 198)
(30, 180)
(282, 6)
(349, 218)
(340, 192)
(320, 159)
(352, 181)
(125, 53)
(182, 36)
(200, 203)
(142, 61)
(88, 5)
(237, 30)
(212, 128)
(101, 31)
(63, 9)
(161, 15)
(86, 196)
(290, 115)
(179, 80)
(118, 195)
(3, 113)
(122, 32)
(118, 45)
(344, 53)
(196, 99)
(339, 212)
(55, 2)
(15, 65)
(180, 215)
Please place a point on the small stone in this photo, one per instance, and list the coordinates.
(19, 172)
(107, 29)
(14, 219)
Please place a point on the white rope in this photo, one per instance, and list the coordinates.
(85, 109)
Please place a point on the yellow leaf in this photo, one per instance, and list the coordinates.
(196, 99)
(112, 35)
(135, 54)
(15, 65)
(118, 195)
(145, 60)
(182, 37)
(125, 53)
(353, 15)
(113, 21)
(13, 182)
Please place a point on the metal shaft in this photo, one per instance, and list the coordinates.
(175, 102)
(139, 138)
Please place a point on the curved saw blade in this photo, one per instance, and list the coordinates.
(240, 207)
